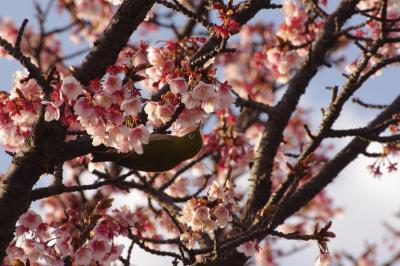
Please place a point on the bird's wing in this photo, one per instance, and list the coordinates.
(160, 137)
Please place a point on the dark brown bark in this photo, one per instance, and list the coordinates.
(106, 49)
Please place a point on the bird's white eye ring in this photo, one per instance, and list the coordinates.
(191, 136)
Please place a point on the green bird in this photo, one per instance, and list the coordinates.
(162, 153)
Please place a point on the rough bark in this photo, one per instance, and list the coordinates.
(106, 49)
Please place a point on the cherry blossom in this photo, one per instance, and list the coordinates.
(248, 248)
(323, 259)
(71, 88)
(30, 219)
(178, 85)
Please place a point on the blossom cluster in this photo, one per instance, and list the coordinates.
(234, 148)
(18, 111)
(228, 24)
(109, 114)
(50, 46)
(50, 244)
(109, 109)
(200, 97)
(44, 244)
(373, 30)
(209, 213)
(90, 17)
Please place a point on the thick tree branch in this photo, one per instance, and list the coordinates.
(260, 183)
(106, 49)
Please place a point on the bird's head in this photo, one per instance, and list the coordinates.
(192, 143)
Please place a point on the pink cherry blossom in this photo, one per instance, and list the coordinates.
(167, 67)
(71, 88)
(188, 121)
(131, 106)
(215, 191)
(164, 112)
(190, 237)
(224, 96)
(155, 57)
(20, 230)
(114, 254)
(32, 249)
(83, 256)
(178, 85)
(150, 109)
(31, 90)
(222, 215)
(203, 91)
(248, 248)
(115, 2)
(83, 108)
(63, 246)
(112, 83)
(202, 213)
(30, 219)
(104, 99)
(99, 248)
(52, 111)
(324, 259)
(139, 135)
(211, 105)
(189, 101)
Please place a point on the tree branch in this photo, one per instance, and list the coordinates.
(331, 169)
(260, 183)
(105, 51)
